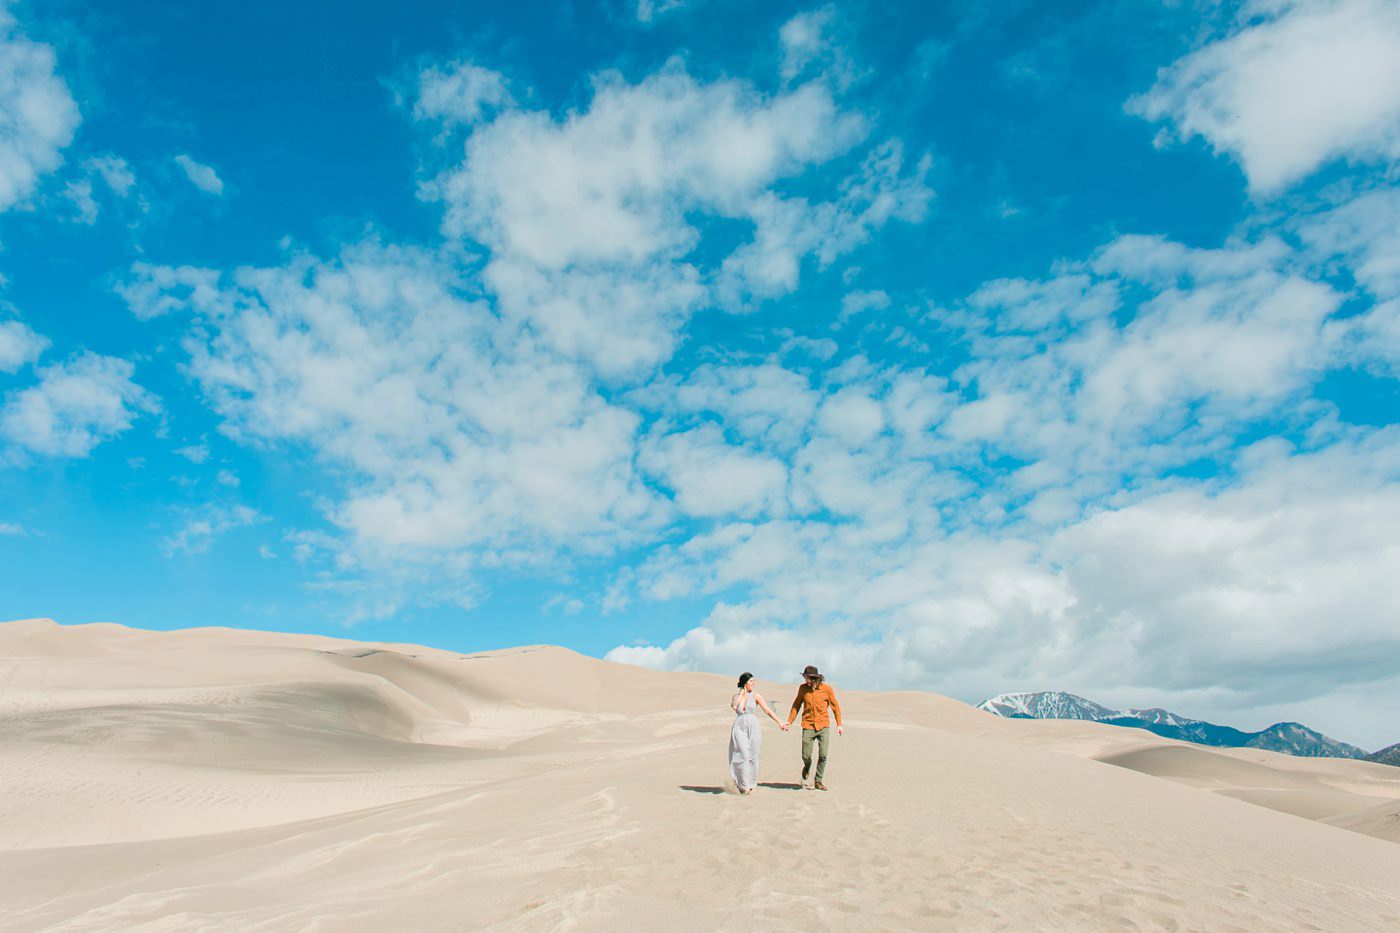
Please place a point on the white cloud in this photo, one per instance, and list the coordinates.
(1258, 337)
(623, 322)
(203, 525)
(200, 175)
(803, 40)
(79, 192)
(853, 441)
(152, 291)
(711, 477)
(766, 404)
(10, 528)
(1363, 232)
(813, 45)
(852, 417)
(19, 345)
(593, 221)
(458, 430)
(648, 10)
(787, 229)
(194, 453)
(1225, 336)
(896, 614)
(1374, 338)
(815, 348)
(461, 93)
(37, 113)
(1050, 308)
(1297, 85)
(858, 302)
(1284, 573)
(612, 184)
(114, 171)
(76, 405)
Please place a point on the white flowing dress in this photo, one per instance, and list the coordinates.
(745, 740)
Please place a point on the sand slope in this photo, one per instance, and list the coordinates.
(224, 779)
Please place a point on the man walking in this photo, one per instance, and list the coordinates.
(814, 699)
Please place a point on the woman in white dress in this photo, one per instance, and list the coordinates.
(745, 737)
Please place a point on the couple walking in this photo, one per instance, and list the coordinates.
(817, 703)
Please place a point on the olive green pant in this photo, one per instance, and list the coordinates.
(823, 739)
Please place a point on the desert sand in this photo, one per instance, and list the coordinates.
(218, 779)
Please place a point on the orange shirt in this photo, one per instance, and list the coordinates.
(817, 701)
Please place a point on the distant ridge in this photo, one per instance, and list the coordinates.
(1390, 755)
(1290, 738)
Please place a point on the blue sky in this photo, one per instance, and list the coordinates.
(1051, 349)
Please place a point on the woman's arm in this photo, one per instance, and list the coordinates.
(763, 705)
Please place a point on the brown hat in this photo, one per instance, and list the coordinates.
(811, 671)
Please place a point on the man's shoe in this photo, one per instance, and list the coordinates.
(805, 768)
(819, 785)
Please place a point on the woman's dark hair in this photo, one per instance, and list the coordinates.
(744, 678)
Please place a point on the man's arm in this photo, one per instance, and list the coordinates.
(835, 707)
(796, 706)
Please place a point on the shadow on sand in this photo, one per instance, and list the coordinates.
(710, 789)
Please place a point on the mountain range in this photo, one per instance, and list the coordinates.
(1291, 738)
(1390, 755)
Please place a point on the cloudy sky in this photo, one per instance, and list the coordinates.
(1055, 349)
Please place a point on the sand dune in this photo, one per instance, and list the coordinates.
(225, 779)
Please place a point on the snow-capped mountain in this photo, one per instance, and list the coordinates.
(1159, 716)
(1288, 737)
(1046, 705)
